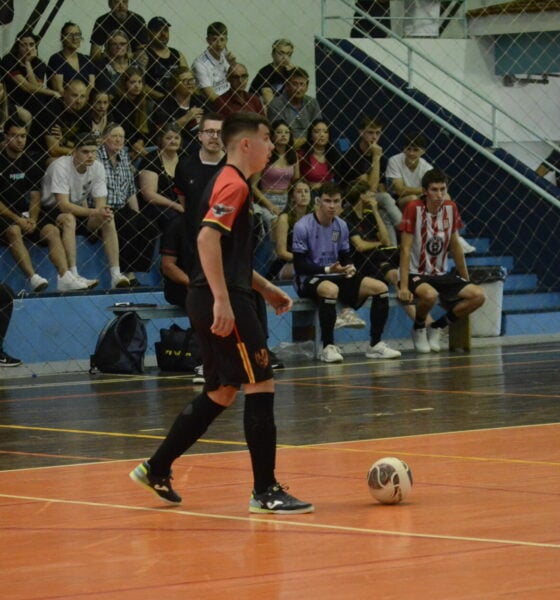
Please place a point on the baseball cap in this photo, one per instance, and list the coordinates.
(157, 23)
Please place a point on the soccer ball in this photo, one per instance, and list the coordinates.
(389, 480)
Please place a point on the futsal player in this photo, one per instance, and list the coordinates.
(222, 310)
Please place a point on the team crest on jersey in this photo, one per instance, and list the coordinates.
(434, 246)
(261, 357)
(220, 210)
(335, 236)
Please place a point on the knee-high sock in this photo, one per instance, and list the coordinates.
(185, 431)
(260, 434)
(327, 319)
(378, 315)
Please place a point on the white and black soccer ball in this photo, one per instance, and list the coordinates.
(389, 480)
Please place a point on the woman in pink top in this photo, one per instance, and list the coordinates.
(318, 156)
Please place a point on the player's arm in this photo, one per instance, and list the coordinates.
(458, 256)
(210, 253)
(173, 271)
(276, 297)
(403, 293)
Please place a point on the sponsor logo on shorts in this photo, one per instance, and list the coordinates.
(261, 358)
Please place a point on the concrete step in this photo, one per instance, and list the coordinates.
(523, 322)
(532, 302)
(520, 282)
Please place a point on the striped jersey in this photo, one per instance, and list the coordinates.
(432, 234)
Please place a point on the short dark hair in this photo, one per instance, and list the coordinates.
(415, 138)
(330, 188)
(373, 122)
(433, 176)
(216, 28)
(355, 191)
(237, 123)
(298, 72)
(211, 116)
(13, 122)
(87, 138)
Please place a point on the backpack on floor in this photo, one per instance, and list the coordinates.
(121, 346)
(178, 349)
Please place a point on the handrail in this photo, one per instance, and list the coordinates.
(411, 51)
(426, 111)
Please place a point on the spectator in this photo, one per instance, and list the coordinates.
(184, 105)
(76, 185)
(297, 206)
(364, 161)
(270, 188)
(116, 59)
(156, 178)
(161, 59)
(318, 157)
(430, 228)
(294, 106)
(68, 64)
(25, 75)
(237, 98)
(553, 160)
(6, 309)
(136, 233)
(193, 174)
(17, 112)
(421, 18)
(20, 207)
(270, 80)
(132, 108)
(132, 25)
(99, 110)
(324, 273)
(211, 67)
(378, 9)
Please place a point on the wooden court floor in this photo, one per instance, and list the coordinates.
(480, 431)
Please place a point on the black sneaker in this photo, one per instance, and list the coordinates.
(275, 362)
(277, 501)
(159, 485)
(8, 361)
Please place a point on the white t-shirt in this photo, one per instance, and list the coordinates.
(397, 169)
(61, 177)
(422, 18)
(211, 72)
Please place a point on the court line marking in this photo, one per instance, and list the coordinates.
(281, 521)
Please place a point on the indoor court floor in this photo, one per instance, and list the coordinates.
(480, 431)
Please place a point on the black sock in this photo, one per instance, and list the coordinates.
(327, 319)
(378, 315)
(185, 431)
(419, 323)
(444, 320)
(260, 434)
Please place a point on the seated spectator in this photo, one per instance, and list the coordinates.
(18, 112)
(184, 105)
(98, 116)
(270, 80)
(114, 61)
(294, 106)
(136, 233)
(297, 206)
(68, 64)
(237, 98)
(421, 18)
(211, 67)
(321, 249)
(553, 160)
(76, 185)
(61, 120)
(270, 188)
(364, 161)
(156, 178)
(160, 58)
(430, 229)
(25, 75)
(380, 10)
(20, 208)
(132, 108)
(318, 157)
(132, 25)
(6, 309)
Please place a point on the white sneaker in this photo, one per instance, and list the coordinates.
(467, 248)
(381, 350)
(420, 341)
(120, 281)
(198, 376)
(349, 318)
(89, 283)
(38, 283)
(434, 338)
(331, 354)
(69, 282)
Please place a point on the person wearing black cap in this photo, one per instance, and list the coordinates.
(161, 59)
(122, 19)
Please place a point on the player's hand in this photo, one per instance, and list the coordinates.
(230, 57)
(224, 320)
(277, 298)
(405, 296)
(376, 150)
(349, 271)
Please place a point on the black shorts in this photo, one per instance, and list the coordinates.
(348, 288)
(377, 263)
(447, 286)
(240, 358)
